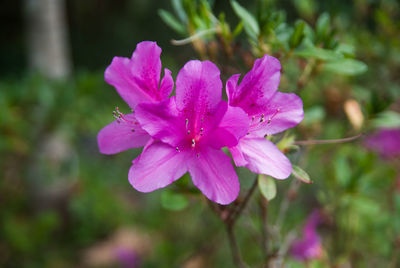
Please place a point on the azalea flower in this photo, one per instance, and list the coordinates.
(136, 80)
(386, 142)
(269, 112)
(309, 246)
(188, 132)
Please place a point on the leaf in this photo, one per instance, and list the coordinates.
(346, 67)
(322, 26)
(319, 53)
(173, 201)
(298, 34)
(170, 20)
(388, 119)
(267, 186)
(249, 22)
(313, 115)
(179, 10)
(300, 174)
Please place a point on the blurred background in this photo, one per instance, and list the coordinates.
(63, 204)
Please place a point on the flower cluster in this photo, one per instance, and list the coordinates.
(186, 132)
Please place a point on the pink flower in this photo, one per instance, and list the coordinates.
(188, 133)
(309, 247)
(269, 112)
(386, 142)
(137, 80)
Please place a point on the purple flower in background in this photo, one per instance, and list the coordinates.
(269, 112)
(136, 80)
(386, 142)
(188, 133)
(127, 258)
(309, 246)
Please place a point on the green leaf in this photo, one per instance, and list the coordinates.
(388, 119)
(300, 174)
(179, 10)
(249, 22)
(298, 34)
(346, 50)
(170, 20)
(313, 115)
(322, 26)
(267, 186)
(346, 67)
(319, 53)
(173, 201)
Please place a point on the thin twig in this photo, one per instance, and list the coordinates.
(234, 247)
(264, 228)
(311, 142)
(236, 213)
(193, 37)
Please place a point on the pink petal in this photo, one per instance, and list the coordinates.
(137, 79)
(213, 173)
(198, 94)
(234, 125)
(262, 157)
(161, 121)
(158, 166)
(283, 111)
(117, 137)
(257, 86)
(167, 85)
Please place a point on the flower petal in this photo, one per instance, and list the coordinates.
(167, 85)
(263, 157)
(213, 173)
(161, 121)
(283, 111)
(137, 79)
(158, 166)
(117, 137)
(257, 86)
(198, 94)
(233, 126)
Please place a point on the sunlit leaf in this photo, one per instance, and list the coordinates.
(298, 34)
(388, 119)
(319, 53)
(267, 186)
(300, 174)
(346, 66)
(249, 22)
(171, 21)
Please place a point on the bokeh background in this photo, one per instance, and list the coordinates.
(63, 204)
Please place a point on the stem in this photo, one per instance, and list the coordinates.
(311, 142)
(234, 247)
(264, 229)
(236, 213)
(193, 37)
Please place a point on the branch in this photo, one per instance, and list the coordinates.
(312, 142)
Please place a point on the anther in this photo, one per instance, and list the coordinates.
(198, 155)
(188, 132)
(253, 117)
(193, 143)
(187, 123)
(177, 149)
(262, 118)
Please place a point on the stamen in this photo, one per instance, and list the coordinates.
(187, 123)
(177, 149)
(253, 117)
(262, 119)
(193, 143)
(198, 155)
(120, 116)
(188, 132)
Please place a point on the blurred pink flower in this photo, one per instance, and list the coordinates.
(188, 133)
(136, 80)
(269, 112)
(309, 246)
(386, 142)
